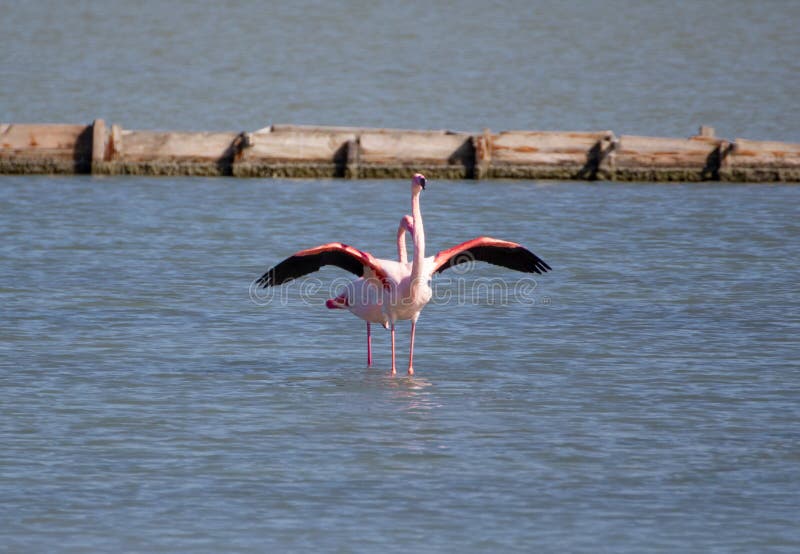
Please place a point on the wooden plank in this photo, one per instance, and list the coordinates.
(410, 148)
(287, 128)
(300, 152)
(169, 153)
(296, 146)
(543, 147)
(99, 141)
(667, 159)
(769, 152)
(545, 154)
(384, 153)
(756, 161)
(40, 139)
(669, 152)
(45, 148)
(175, 146)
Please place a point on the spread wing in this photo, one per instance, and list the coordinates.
(494, 251)
(312, 259)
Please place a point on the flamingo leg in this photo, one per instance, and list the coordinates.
(394, 369)
(411, 350)
(369, 345)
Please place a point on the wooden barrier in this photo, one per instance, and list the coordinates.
(634, 158)
(396, 153)
(353, 152)
(757, 161)
(164, 153)
(43, 148)
(541, 154)
(289, 151)
(305, 151)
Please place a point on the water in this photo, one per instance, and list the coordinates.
(644, 396)
(655, 68)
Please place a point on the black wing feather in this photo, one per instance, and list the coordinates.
(517, 258)
(297, 266)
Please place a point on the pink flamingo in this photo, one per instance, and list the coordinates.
(405, 286)
(363, 297)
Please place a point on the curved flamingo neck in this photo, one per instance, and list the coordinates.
(419, 237)
(402, 251)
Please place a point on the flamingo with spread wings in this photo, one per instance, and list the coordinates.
(363, 297)
(405, 287)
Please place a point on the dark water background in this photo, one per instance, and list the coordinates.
(644, 396)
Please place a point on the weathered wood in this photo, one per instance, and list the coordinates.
(353, 159)
(756, 161)
(317, 152)
(284, 128)
(115, 142)
(384, 153)
(314, 129)
(639, 158)
(99, 141)
(544, 154)
(101, 145)
(353, 152)
(294, 146)
(705, 131)
(45, 148)
(169, 153)
(310, 151)
(482, 144)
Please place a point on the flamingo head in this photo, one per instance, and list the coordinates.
(418, 182)
(408, 223)
(341, 302)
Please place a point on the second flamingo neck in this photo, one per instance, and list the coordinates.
(402, 253)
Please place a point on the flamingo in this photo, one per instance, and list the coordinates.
(405, 286)
(363, 297)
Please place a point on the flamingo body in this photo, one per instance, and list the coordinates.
(363, 297)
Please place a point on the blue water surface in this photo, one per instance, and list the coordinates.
(642, 396)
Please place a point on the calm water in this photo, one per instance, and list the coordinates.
(661, 67)
(644, 396)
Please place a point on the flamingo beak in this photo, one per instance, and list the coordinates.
(422, 182)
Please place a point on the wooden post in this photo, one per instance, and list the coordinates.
(353, 157)
(607, 166)
(604, 163)
(116, 141)
(238, 145)
(483, 154)
(706, 131)
(725, 149)
(99, 144)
